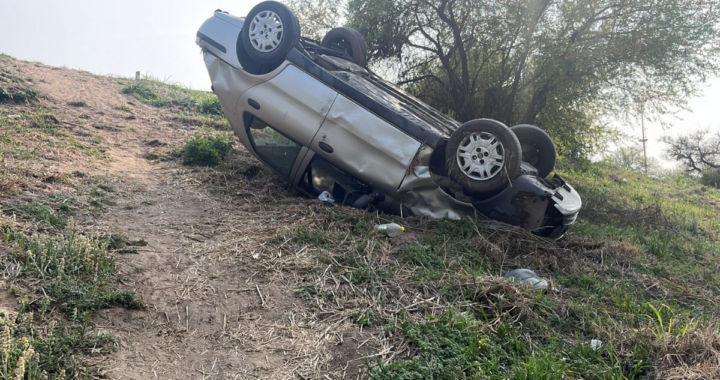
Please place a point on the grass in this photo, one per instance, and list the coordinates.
(101, 196)
(124, 107)
(206, 151)
(456, 345)
(159, 94)
(190, 107)
(59, 276)
(44, 215)
(76, 272)
(67, 271)
(13, 87)
(27, 133)
(634, 273)
(48, 352)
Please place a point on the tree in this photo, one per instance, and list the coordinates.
(711, 177)
(560, 65)
(565, 65)
(317, 17)
(697, 151)
(631, 157)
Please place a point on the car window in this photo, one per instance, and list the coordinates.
(276, 150)
(321, 176)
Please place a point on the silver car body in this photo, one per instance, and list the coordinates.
(311, 119)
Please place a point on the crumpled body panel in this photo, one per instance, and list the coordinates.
(423, 196)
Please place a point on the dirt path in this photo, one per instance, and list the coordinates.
(219, 304)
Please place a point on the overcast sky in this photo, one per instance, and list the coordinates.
(157, 37)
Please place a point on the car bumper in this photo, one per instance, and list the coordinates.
(546, 207)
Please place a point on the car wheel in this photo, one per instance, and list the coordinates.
(537, 147)
(269, 32)
(483, 155)
(347, 39)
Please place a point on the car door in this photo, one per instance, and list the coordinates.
(365, 146)
(293, 102)
(282, 115)
(277, 150)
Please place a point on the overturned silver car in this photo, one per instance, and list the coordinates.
(315, 114)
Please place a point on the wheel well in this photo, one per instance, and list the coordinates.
(437, 159)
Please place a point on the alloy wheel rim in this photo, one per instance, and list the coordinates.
(266, 31)
(481, 156)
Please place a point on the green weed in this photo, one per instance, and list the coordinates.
(100, 196)
(124, 107)
(37, 353)
(365, 317)
(43, 214)
(14, 88)
(664, 323)
(75, 271)
(160, 94)
(206, 151)
(146, 93)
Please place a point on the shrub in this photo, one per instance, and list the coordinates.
(33, 353)
(159, 94)
(711, 177)
(203, 150)
(210, 105)
(145, 92)
(43, 214)
(18, 94)
(77, 272)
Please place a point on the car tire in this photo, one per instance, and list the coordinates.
(482, 156)
(349, 39)
(537, 148)
(269, 32)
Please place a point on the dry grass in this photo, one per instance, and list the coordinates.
(243, 278)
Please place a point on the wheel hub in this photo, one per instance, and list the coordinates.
(266, 31)
(480, 156)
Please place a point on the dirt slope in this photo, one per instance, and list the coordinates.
(242, 279)
(218, 304)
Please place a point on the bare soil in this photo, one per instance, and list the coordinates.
(220, 304)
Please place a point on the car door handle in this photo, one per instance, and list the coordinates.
(325, 147)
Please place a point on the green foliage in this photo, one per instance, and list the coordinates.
(14, 88)
(203, 150)
(365, 317)
(630, 157)
(711, 177)
(457, 346)
(664, 323)
(143, 91)
(123, 107)
(564, 66)
(32, 353)
(319, 16)
(444, 248)
(640, 243)
(166, 95)
(17, 94)
(75, 271)
(209, 105)
(43, 214)
(100, 196)
(71, 272)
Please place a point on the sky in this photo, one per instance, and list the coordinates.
(157, 38)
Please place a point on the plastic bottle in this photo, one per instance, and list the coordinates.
(390, 229)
